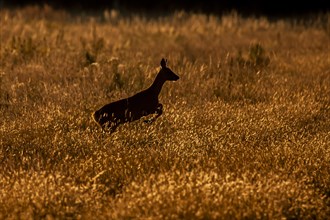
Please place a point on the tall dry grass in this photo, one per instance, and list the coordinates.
(245, 132)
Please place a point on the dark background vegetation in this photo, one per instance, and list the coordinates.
(247, 7)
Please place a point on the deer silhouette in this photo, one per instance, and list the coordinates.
(133, 108)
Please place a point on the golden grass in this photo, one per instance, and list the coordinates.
(245, 132)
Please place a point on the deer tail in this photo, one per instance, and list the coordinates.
(94, 117)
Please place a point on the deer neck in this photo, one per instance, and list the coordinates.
(157, 85)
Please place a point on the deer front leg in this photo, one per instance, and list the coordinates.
(158, 111)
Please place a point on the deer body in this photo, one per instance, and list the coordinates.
(133, 108)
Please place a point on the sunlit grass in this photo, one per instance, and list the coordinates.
(244, 135)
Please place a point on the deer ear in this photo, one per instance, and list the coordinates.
(163, 63)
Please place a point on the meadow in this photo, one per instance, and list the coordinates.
(245, 132)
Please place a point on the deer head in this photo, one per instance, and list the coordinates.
(167, 73)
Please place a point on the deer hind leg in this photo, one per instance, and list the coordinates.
(107, 123)
(112, 128)
(109, 126)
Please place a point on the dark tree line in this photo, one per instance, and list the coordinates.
(258, 7)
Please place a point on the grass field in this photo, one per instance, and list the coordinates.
(245, 132)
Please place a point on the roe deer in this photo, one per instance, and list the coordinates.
(133, 108)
